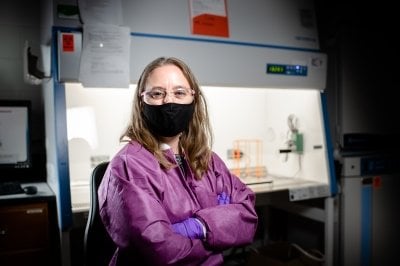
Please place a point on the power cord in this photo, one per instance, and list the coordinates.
(318, 257)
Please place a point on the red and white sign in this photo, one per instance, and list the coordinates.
(209, 17)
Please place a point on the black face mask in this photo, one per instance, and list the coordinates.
(168, 120)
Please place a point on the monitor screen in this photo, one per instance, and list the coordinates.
(15, 139)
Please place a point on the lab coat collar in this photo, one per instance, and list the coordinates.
(164, 146)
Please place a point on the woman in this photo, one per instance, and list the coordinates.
(166, 198)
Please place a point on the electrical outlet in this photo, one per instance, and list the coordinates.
(234, 154)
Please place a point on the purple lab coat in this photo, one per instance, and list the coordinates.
(139, 200)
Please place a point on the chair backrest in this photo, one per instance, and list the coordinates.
(98, 246)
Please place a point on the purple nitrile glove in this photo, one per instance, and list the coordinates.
(223, 199)
(191, 228)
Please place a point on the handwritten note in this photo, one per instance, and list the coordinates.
(105, 56)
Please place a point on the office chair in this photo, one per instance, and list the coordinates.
(98, 246)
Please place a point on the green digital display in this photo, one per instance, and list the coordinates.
(292, 70)
(276, 69)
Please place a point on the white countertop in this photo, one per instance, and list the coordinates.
(299, 189)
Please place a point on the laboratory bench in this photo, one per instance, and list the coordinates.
(277, 198)
(29, 232)
(298, 211)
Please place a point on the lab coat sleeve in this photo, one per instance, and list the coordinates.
(231, 224)
(136, 220)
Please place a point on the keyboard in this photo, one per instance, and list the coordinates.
(9, 188)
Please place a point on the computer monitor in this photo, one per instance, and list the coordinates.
(15, 140)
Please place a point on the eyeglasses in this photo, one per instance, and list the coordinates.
(158, 93)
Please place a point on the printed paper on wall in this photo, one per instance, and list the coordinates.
(209, 17)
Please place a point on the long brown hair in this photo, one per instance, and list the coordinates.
(196, 141)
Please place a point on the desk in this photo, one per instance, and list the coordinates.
(80, 196)
(299, 189)
(29, 233)
(289, 194)
(292, 195)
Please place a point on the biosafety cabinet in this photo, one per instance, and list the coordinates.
(258, 64)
